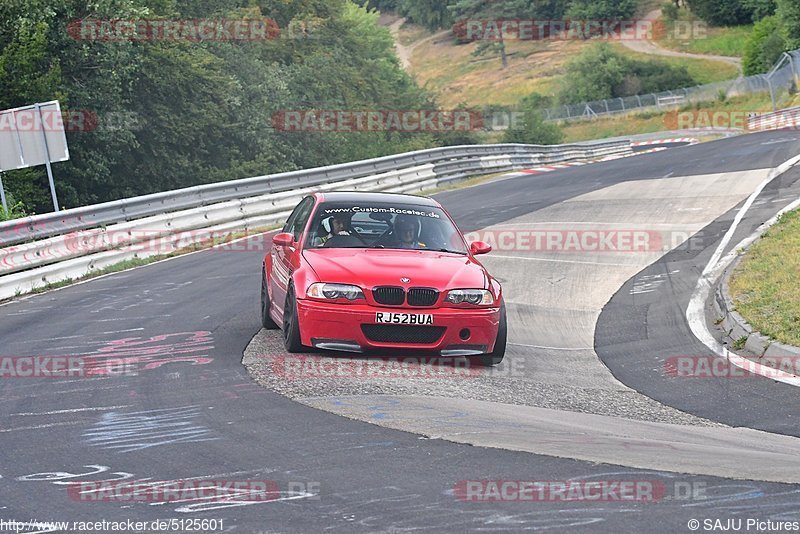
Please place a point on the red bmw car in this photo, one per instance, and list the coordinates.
(362, 272)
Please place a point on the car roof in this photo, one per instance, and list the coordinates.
(358, 196)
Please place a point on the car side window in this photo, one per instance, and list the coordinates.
(290, 221)
(301, 216)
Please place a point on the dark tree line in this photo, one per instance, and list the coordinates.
(174, 113)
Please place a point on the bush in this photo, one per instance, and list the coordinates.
(788, 13)
(593, 75)
(732, 12)
(433, 14)
(764, 46)
(722, 12)
(760, 8)
(534, 131)
(670, 11)
(599, 73)
(601, 9)
(537, 101)
(655, 76)
(15, 209)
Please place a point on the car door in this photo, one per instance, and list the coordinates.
(286, 259)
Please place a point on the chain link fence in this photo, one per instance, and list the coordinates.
(779, 82)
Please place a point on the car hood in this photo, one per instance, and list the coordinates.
(385, 267)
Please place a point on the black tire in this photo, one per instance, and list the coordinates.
(499, 352)
(291, 325)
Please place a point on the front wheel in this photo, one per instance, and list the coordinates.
(291, 324)
(499, 352)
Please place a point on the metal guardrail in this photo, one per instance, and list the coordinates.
(70, 244)
(784, 118)
(46, 225)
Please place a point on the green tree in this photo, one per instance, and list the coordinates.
(599, 73)
(601, 9)
(593, 75)
(788, 12)
(493, 10)
(764, 46)
(433, 14)
(760, 8)
(197, 112)
(726, 12)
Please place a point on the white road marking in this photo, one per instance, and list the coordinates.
(37, 427)
(564, 261)
(643, 285)
(74, 410)
(129, 318)
(90, 334)
(778, 141)
(549, 348)
(695, 314)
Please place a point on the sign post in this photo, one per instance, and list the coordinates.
(3, 194)
(30, 136)
(40, 121)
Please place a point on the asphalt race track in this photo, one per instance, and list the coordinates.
(581, 397)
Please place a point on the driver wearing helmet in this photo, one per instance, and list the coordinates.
(338, 224)
(406, 232)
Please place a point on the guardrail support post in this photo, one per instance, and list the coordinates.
(772, 94)
(3, 194)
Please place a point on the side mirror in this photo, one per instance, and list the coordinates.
(283, 239)
(479, 247)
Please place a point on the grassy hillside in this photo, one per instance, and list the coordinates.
(457, 77)
(718, 41)
(728, 41)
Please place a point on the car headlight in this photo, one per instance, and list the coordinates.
(334, 291)
(476, 297)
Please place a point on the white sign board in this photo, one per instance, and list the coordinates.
(28, 134)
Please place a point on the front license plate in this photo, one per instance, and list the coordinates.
(404, 318)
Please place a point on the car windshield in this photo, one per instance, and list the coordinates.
(383, 225)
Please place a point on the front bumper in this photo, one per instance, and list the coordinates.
(339, 327)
